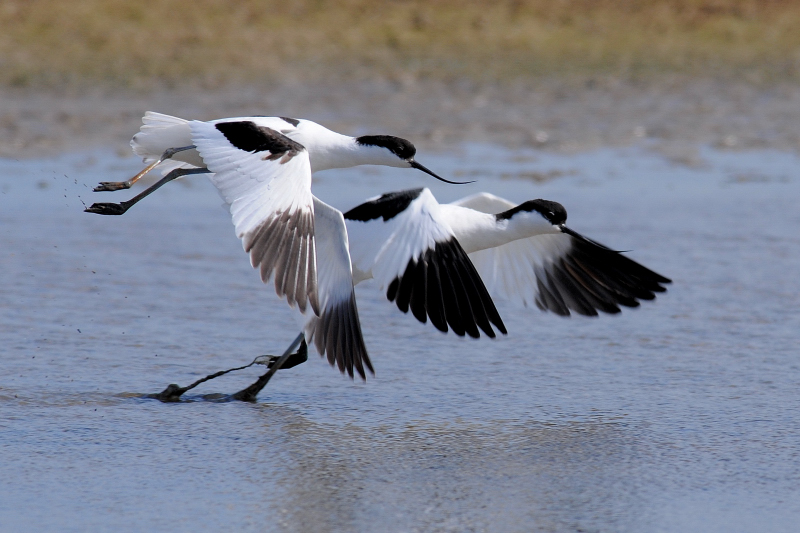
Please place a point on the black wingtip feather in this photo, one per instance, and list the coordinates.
(337, 335)
(592, 277)
(443, 285)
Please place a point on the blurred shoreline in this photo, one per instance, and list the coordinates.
(675, 115)
(565, 75)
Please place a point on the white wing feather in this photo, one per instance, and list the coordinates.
(511, 271)
(272, 209)
(560, 272)
(385, 248)
(337, 330)
(411, 251)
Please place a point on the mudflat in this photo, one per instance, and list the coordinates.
(554, 115)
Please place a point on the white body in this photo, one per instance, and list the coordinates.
(477, 230)
(326, 149)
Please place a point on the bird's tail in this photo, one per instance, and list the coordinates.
(160, 132)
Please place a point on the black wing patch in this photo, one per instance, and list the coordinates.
(293, 121)
(444, 285)
(592, 277)
(250, 137)
(387, 206)
(337, 333)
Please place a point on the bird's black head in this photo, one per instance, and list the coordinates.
(399, 147)
(553, 212)
(402, 149)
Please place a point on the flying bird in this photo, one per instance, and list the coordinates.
(262, 167)
(527, 254)
(422, 253)
(405, 243)
(446, 263)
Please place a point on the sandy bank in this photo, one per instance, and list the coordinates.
(676, 116)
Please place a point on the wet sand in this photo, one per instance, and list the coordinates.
(676, 114)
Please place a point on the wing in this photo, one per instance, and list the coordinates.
(337, 330)
(265, 177)
(566, 272)
(402, 240)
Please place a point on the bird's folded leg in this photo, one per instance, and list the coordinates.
(250, 393)
(119, 185)
(297, 358)
(105, 208)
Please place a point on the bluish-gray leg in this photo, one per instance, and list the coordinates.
(119, 185)
(105, 208)
(250, 393)
(173, 392)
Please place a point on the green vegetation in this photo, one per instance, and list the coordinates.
(161, 43)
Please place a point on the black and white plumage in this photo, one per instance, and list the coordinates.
(523, 253)
(422, 253)
(445, 262)
(336, 329)
(262, 167)
(526, 253)
(327, 149)
(268, 189)
(414, 247)
(402, 240)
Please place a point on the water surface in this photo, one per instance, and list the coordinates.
(681, 415)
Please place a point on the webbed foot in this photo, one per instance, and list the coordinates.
(112, 186)
(104, 208)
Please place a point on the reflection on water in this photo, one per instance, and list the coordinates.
(678, 416)
(503, 476)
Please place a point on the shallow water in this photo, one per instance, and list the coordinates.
(681, 415)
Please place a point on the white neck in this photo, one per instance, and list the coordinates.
(478, 231)
(328, 149)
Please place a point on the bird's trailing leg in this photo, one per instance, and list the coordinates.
(119, 185)
(105, 208)
(250, 393)
(173, 392)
